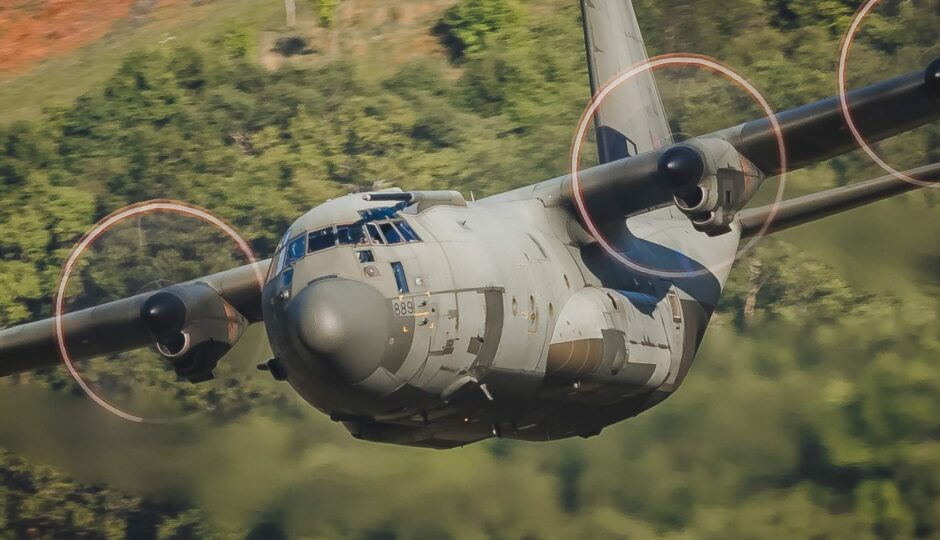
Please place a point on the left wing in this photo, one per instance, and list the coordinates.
(192, 324)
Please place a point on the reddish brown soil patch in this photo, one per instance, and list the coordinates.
(32, 30)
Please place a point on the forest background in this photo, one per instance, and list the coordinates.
(811, 411)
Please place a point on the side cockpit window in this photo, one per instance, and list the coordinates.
(407, 232)
(278, 261)
(374, 234)
(286, 254)
(391, 233)
(295, 250)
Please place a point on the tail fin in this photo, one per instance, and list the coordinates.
(632, 119)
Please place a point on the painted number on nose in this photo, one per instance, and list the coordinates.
(403, 308)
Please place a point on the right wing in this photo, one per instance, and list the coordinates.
(812, 133)
(632, 119)
(181, 320)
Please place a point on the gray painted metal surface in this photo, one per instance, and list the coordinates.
(632, 120)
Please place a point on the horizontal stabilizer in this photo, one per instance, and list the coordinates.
(826, 203)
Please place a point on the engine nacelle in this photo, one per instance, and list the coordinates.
(727, 183)
(193, 327)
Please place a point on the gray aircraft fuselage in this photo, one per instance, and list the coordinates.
(491, 318)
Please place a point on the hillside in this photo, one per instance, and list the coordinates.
(55, 50)
(810, 415)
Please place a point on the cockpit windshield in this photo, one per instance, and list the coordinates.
(407, 232)
(374, 234)
(321, 239)
(349, 234)
(386, 232)
(379, 227)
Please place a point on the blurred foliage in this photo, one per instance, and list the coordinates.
(473, 26)
(38, 502)
(325, 10)
(811, 412)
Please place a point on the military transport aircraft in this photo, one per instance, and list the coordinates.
(421, 318)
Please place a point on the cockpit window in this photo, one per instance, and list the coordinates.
(407, 232)
(321, 239)
(391, 234)
(283, 241)
(374, 234)
(278, 260)
(295, 250)
(350, 235)
(381, 226)
(378, 214)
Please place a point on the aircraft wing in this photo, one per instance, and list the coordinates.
(632, 119)
(713, 177)
(815, 206)
(208, 312)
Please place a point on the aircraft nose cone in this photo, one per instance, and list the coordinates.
(344, 324)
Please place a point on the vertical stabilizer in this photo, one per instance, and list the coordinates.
(632, 119)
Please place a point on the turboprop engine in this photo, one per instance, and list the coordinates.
(193, 327)
(706, 178)
(715, 184)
